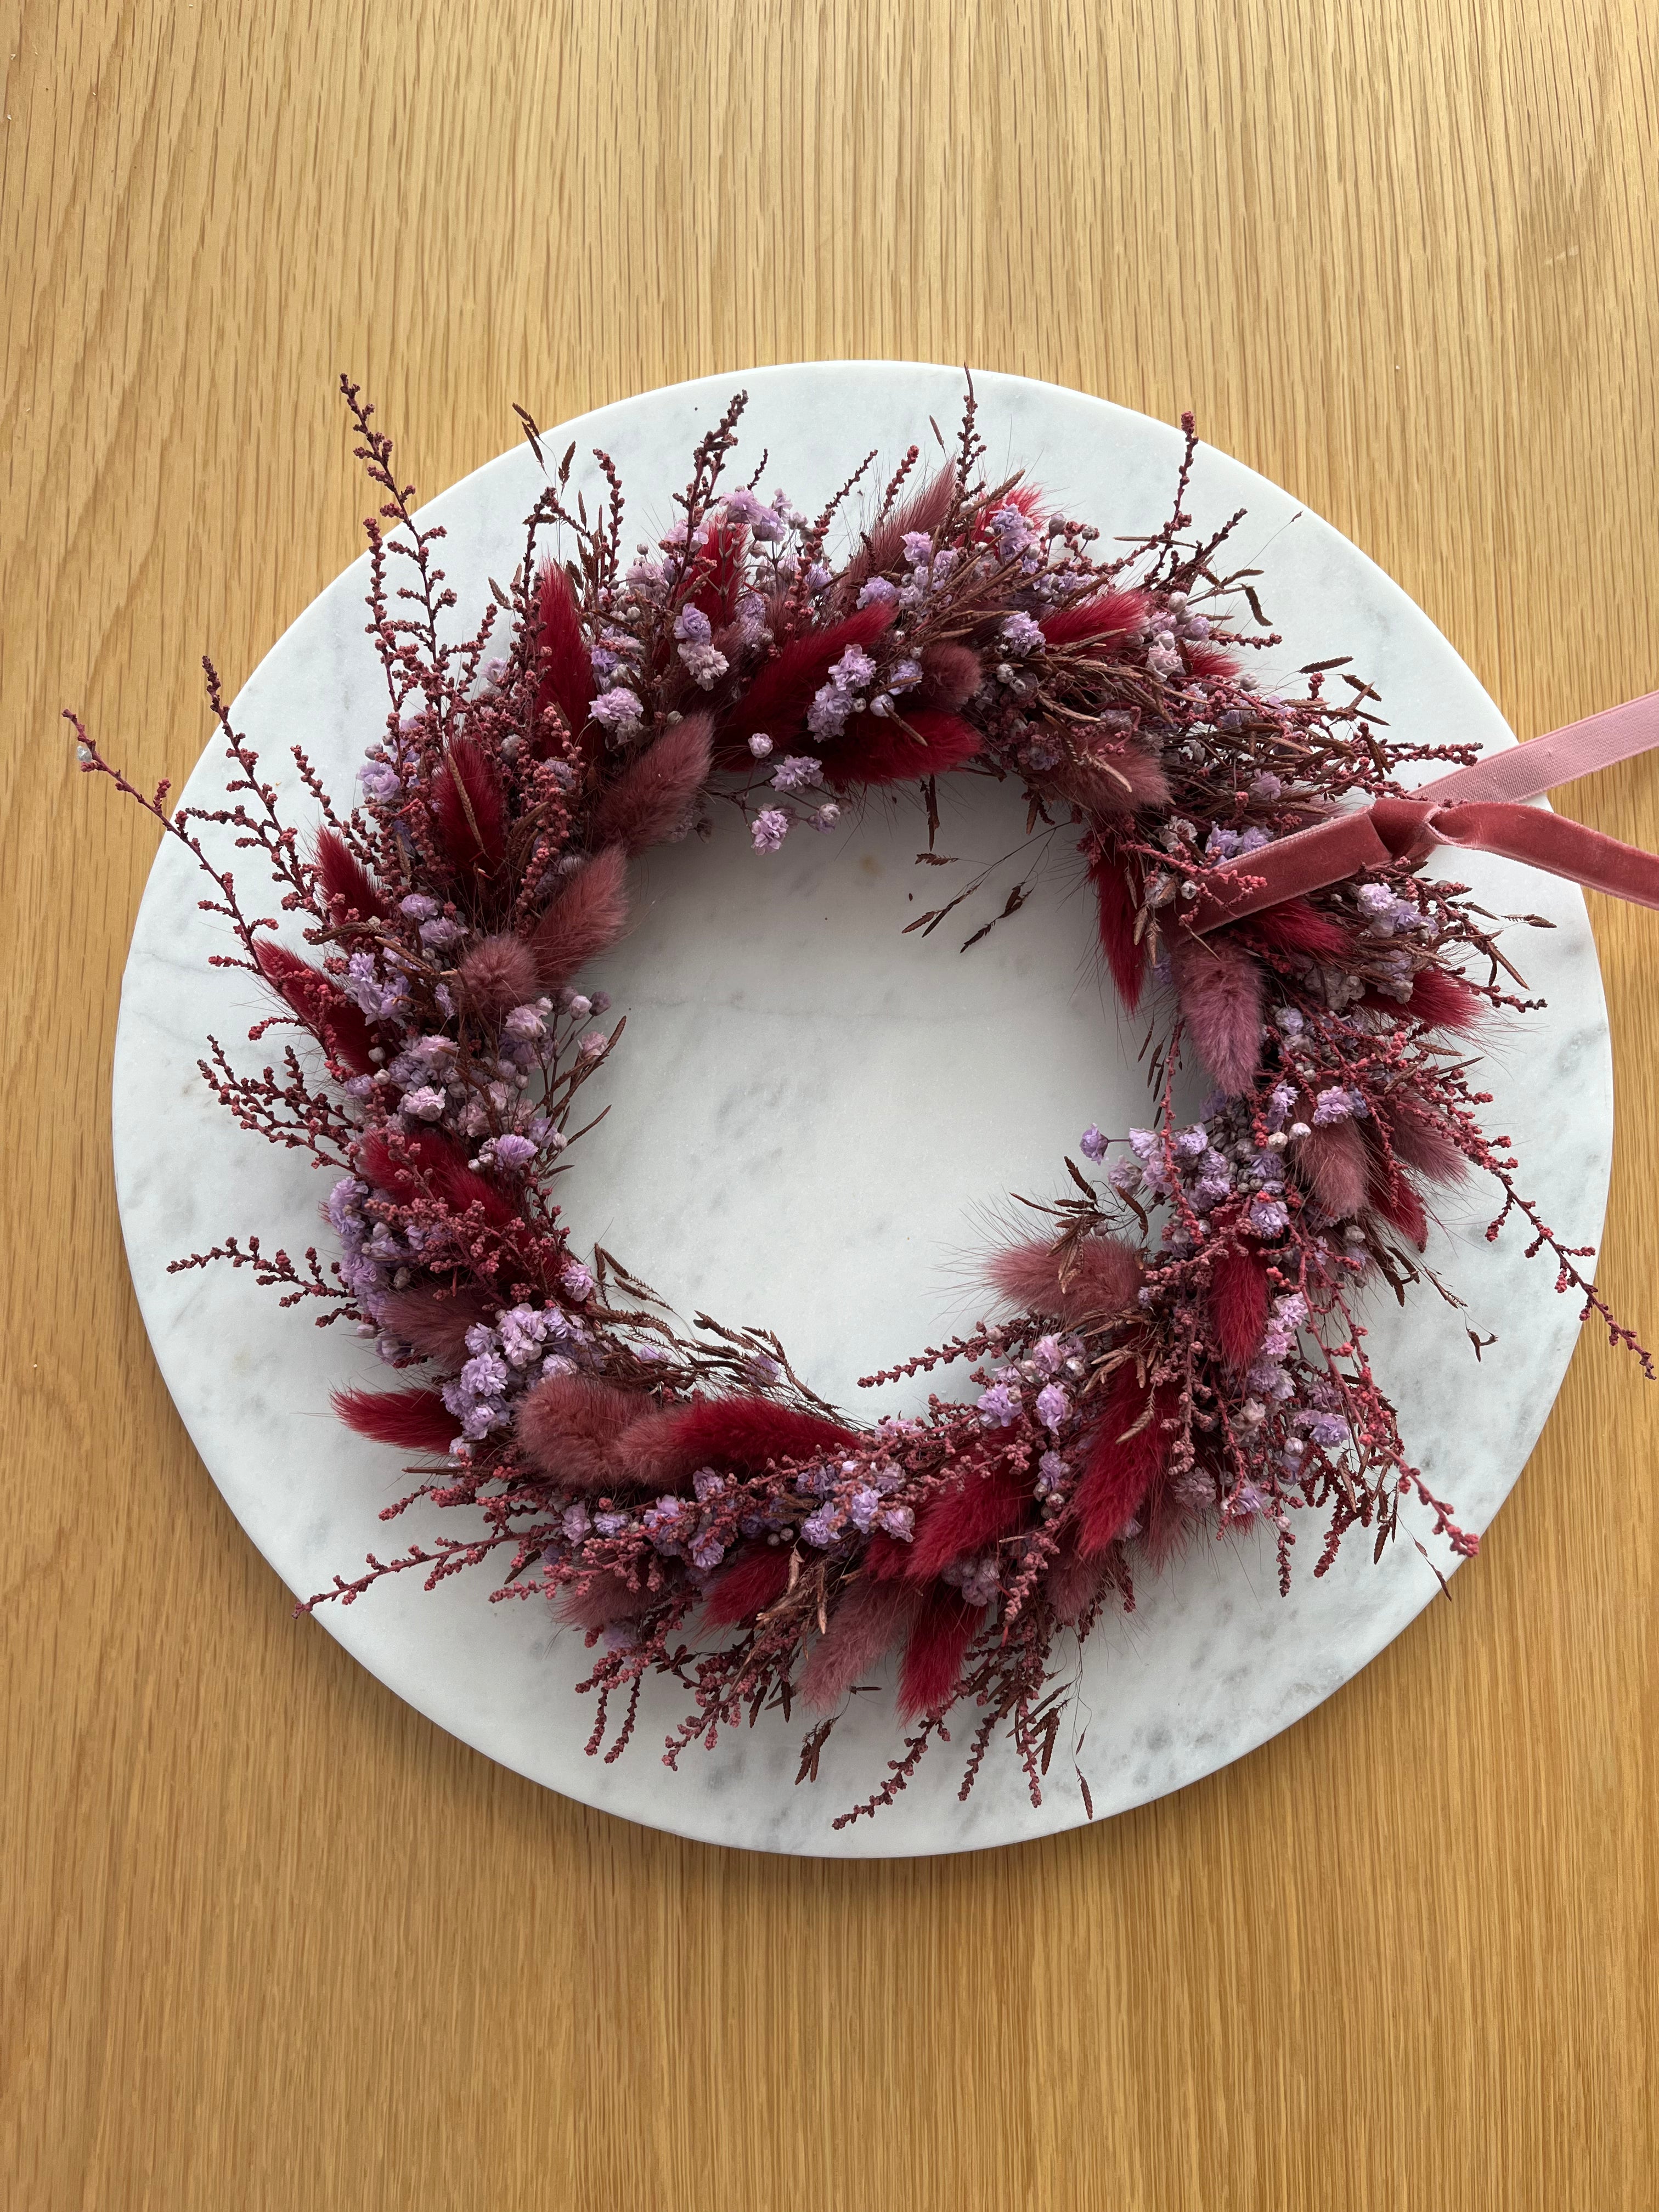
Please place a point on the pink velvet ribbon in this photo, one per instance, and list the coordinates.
(1477, 809)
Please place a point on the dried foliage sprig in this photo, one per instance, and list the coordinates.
(1184, 1351)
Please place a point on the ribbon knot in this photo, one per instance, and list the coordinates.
(1476, 809)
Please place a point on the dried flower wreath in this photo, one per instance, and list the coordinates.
(1183, 1350)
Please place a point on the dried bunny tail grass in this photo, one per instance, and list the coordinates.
(469, 807)
(413, 1420)
(1239, 1304)
(1119, 778)
(346, 883)
(1119, 915)
(337, 1024)
(653, 799)
(988, 1503)
(567, 667)
(924, 511)
(1131, 1445)
(777, 701)
(870, 1619)
(1441, 1001)
(1332, 1163)
(568, 1426)
(745, 1433)
(1073, 1584)
(1108, 617)
(757, 1577)
(1424, 1143)
(1219, 987)
(950, 674)
(588, 917)
(944, 1626)
(598, 1600)
(878, 750)
(435, 1322)
(1090, 1282)
(498, 974)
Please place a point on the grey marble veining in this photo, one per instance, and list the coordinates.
(815, 1122)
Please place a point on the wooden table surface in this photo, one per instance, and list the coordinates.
(269, 1939)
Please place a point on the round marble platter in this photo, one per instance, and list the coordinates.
(815, 1119)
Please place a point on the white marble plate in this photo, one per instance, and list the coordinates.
(814, 1116)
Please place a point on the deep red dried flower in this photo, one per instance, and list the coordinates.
(330, 1017)
(758, 1579)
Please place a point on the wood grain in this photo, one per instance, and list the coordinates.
(272, 1941)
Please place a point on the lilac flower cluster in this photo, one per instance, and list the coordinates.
(854, 1500)
(1036, 1387)
(504, 1359)
(855, 1494)
(374, 1260)
(842, 696)
(703, 661)
(1201, 1166)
